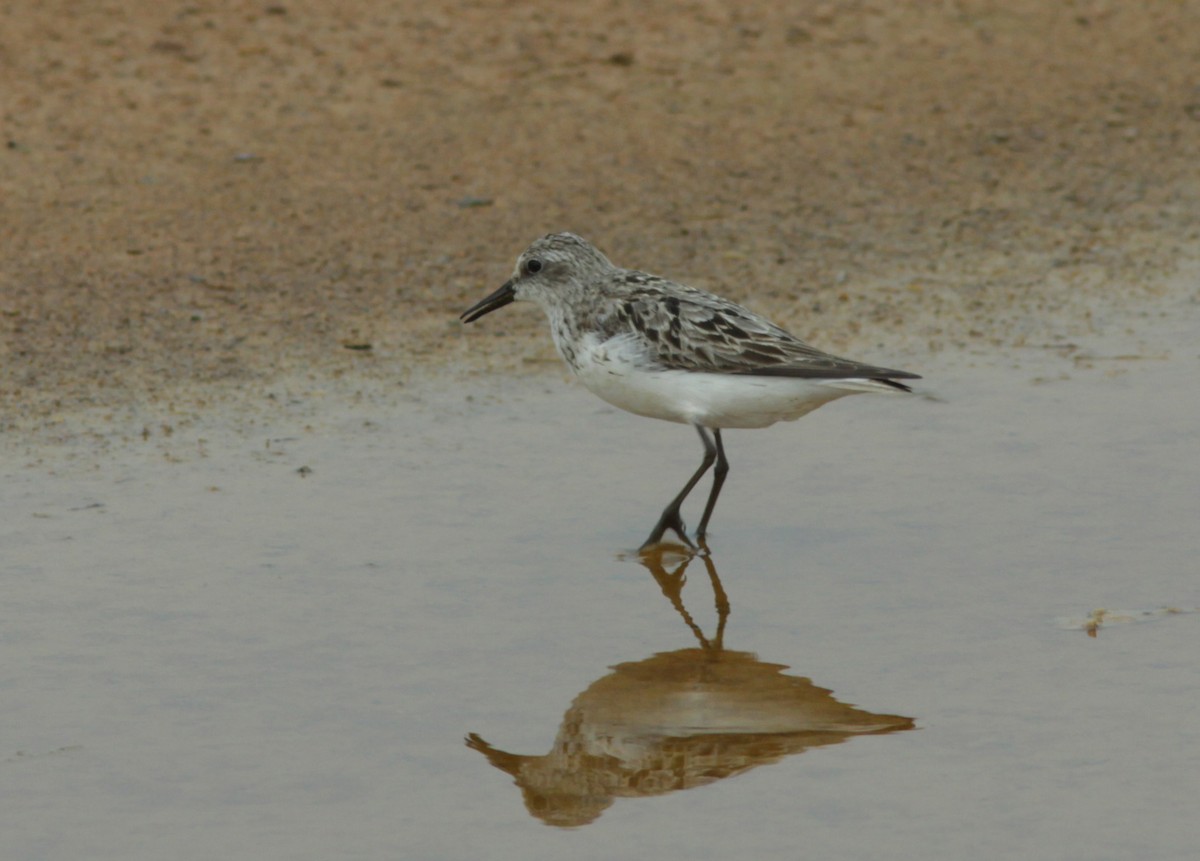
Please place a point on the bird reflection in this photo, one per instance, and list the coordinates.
(678, 720)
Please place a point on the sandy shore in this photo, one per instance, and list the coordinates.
(198, 202)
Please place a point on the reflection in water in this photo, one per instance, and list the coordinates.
(1098, 619)
(678, 720)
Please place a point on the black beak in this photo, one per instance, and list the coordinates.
(497, 300)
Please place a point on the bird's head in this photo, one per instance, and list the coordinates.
(545, 272)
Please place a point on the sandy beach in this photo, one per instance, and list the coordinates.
(198, 202)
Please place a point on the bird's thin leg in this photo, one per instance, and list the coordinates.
(719, 473)
(670, 517)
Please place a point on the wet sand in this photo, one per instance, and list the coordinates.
(201, 203)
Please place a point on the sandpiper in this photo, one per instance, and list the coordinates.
(662, 349)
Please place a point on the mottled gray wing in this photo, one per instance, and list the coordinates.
(689, 329)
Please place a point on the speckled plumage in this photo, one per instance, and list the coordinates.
(666, 350)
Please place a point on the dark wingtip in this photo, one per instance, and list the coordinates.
(879, 375)
(894, 384)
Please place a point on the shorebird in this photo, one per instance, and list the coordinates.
(661, 349)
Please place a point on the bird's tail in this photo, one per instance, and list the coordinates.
(862, 384)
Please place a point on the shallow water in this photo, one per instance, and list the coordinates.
(437, 641)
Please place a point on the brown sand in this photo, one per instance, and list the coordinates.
(198, 200)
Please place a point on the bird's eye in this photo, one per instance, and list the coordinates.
(533, 266)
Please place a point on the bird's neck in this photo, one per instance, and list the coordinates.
(564, 328)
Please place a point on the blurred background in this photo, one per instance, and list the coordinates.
(214, 194)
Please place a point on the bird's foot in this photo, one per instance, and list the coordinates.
(670, 520)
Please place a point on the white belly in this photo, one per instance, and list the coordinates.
(692, 397)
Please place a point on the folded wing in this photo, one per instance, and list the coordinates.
(688, 329)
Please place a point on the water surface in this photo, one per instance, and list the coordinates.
(434, 642)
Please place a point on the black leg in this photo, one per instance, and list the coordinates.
(670, 517)
(719, 473)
